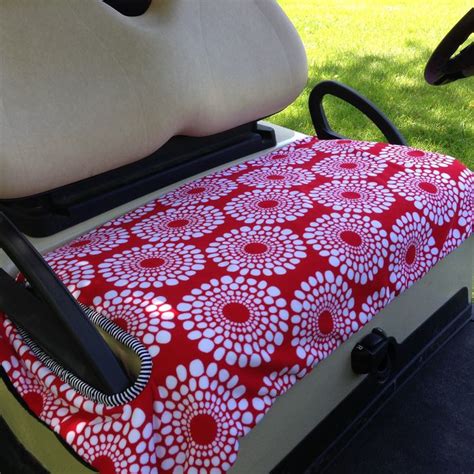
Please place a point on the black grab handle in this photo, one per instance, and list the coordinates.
(129, 7)
(53, 318)
(351, 96)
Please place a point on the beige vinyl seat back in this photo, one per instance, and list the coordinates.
(85, 89)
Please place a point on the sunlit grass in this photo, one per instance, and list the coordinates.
(380, 47)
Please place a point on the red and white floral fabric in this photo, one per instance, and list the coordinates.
(238, 284)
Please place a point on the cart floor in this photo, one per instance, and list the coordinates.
(428, 426)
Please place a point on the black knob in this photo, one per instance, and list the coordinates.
(375, 355)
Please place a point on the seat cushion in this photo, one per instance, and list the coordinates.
(238, 284)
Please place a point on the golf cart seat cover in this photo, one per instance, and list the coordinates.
(86, 90)
(237, 284)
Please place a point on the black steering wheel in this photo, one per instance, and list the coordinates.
(442, 67)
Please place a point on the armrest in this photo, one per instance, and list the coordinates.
(53, 318)
(129, 7)
(349, 95)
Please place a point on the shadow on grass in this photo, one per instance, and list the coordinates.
(434, 118)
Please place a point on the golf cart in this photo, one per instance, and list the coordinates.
(202, 291)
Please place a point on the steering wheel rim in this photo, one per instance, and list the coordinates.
(442, 67)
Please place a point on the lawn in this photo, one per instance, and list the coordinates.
(380, 47)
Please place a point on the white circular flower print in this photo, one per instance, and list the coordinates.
(375, 303)
(356, 245)
(41, 399)
(432, 192)
(199, 191)
(341, 146)
(230, 171)
(239, 320)
(293, 154)
(453, 240)
(122, 444)
(322, 316)
(184, 223)
(201, 418)
(152, 265)
(75, 274)
(141, 314)
(466, 203)
(258, 250)
(269, 206)
(358, 197)
(96, 242)
(132, 216)
(274, 385)
(413, 250)
(277, 177)
(357, 164)
(413, 158)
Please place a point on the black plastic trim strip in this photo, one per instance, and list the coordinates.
(50, 212)
(352, 97)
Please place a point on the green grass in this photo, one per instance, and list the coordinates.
(380, 48)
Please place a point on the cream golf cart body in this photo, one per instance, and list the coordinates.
(104, 114)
